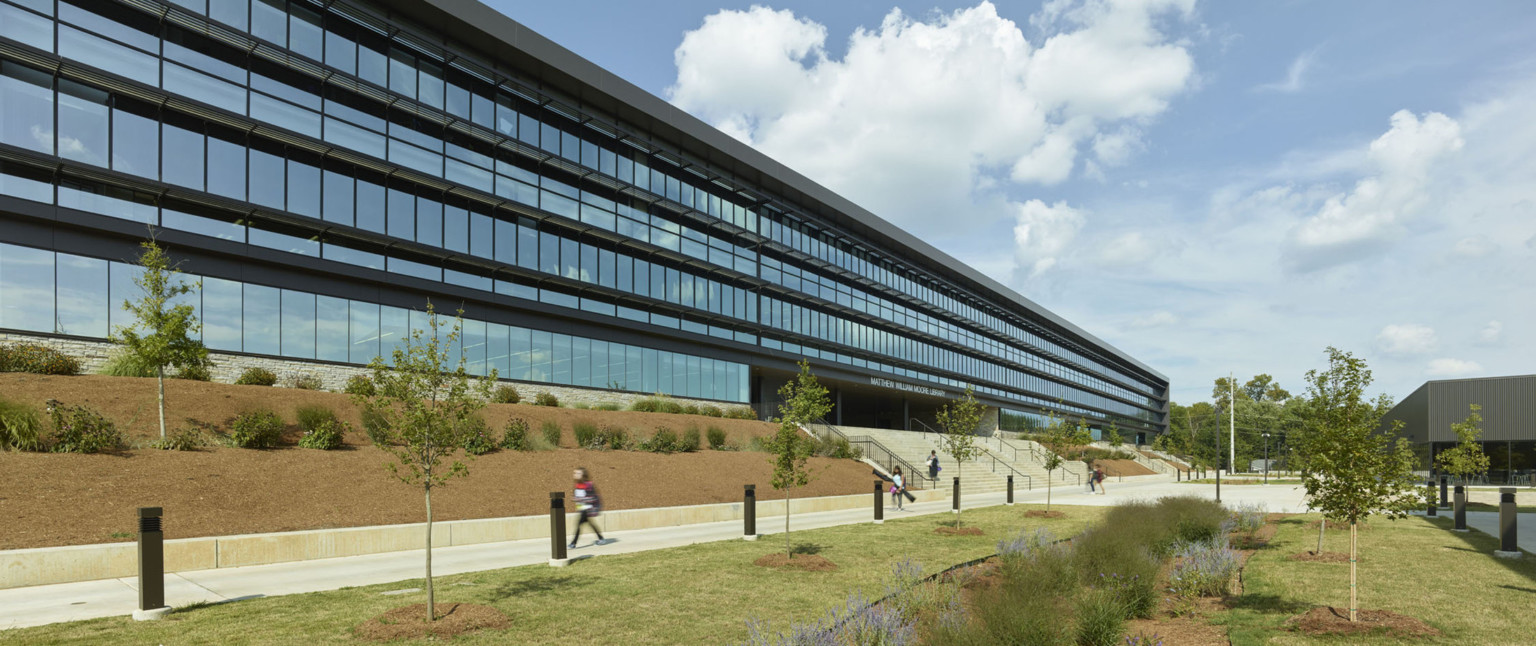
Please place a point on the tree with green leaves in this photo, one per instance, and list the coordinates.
(163, 334)
(1057, 438)
(803, 400)
(1113, 436)
(426, 406)
(1466, 459)
(959, 419)
(1355, 470)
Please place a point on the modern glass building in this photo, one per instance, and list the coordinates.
(327, 167)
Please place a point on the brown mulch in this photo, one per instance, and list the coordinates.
(1123, 468)
(1321, 557)
(807, 562)
(958, 531)
(1335, 621)
(1179, 631)
(1174, 463)
(410, 622)
(1041, 513)
(224, 491)
(1259, 538)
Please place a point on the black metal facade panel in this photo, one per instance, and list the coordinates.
(1509, 407)
(1413, 412)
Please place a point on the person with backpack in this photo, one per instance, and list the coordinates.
(898, 487)
(1098, 475)
(933, 465)
(588, 504)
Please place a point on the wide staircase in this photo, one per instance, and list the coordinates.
(988, 472)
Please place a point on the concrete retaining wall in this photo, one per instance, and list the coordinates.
(92, 355)
(41, 566)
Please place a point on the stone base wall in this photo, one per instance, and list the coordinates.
(92, 355)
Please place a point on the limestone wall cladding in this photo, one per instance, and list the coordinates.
(227, 368)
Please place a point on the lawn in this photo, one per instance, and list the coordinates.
(696, 594)
(1414, 566)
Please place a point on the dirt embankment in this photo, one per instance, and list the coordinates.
(64, 499)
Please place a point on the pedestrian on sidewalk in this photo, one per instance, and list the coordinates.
(1091, 479)
(588, 504)
(898, 487)
(1098, 475)
(933, 465)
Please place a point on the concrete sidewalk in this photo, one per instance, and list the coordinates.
(48, 604)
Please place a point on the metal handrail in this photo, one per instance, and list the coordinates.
(910, 473)
(1029, 481)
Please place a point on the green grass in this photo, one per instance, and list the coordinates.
(1414, 566)
(699, 594)
(1483, 506)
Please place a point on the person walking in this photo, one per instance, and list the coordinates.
(1092, 477)
(933, 465)
(898, 487)
(588, 504)
(1098, 474)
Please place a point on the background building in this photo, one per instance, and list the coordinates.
(1509, 421)
(326, 168)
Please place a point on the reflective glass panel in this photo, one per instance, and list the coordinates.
(26, 288)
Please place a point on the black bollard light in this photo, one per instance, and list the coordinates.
(151, 566)
(1010, 489)
(879, 502)
(1461, 509)
(1433, 504)
(1508, 547)
(749, 513)
(955, 505)
(557, 557)
(1445, 498)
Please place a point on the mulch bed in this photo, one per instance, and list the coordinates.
(958, 531)
(1040, 513)
(1323, 557)
(223, 491)
(1335, 621)
(410, 622)
(1259, 539)
(807, 562)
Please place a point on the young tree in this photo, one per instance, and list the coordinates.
(425, 403)
(1057, 437)
(959, 419)
(162, 335)
(1466, 459)
(804, 400)
(1355, 470)
(1112, 435)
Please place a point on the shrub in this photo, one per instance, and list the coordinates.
(123, 364)
(21, 427)
(1100, 619)
(260, 429)
(646, 405)
(615, 438)
(195, 372)
(80, 429)
(321, 428)
(690, 442)
(711, 411)
(375, 426)
(477, 436)
(37, 359)
(669, 406)
(546, 399)
(690, 409)
(505, 395)
(360, 385)
(580, 406)
(515, 436)
(305, 381)
(551, 430)
(1205, 568)
(741, 412)
(187, 438)
(314, 415)
(587, 436)
(664, 440)
(257, 377)
(1248, 518)
(607, 406)
(716, 437)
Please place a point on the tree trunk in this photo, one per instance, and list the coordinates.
(431, 597)
(1354, 582)
(1322, 526)
(789, 494)
(160, 378)
(958, 467)
(1047, 491)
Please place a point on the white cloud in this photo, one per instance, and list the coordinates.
(1452, 368)
(1042, 232)
(1370, 214)
(1475, 246)
(1294, 75)
(1160, 318)
(1129, 249)
(1406, 340)
(952, 109)
(1491, 333)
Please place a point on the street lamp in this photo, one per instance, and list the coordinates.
(1266, 457)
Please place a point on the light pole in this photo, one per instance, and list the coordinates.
(1266, 457)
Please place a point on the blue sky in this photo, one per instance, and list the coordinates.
(1211, 187)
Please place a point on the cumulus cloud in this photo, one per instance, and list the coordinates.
(1370, 214)
(1452, 368)
(928, 121)
(1129, 249)
(1491, 333)
(1406, 340)
(1042, 232)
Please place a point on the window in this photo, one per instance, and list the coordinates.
(26, 27)
(455, 228)
(298, 324)
(363, 323)
(429, 222)
(338, 204)
(269, 20)
(226, 163)
(263, 307)
(83, 123)
(303, 188)
(26, 288)
(402, 214)
(304, 34)
(26, 107)
(222, 314)
(370, 204)
(331, 340)
(267, 170)
(520, 346)
(498, 355)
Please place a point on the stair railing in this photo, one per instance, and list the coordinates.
(874, 451)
